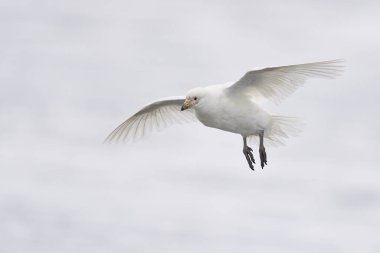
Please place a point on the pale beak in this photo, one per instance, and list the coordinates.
(186, 105)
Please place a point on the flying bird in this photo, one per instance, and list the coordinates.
(232, 107)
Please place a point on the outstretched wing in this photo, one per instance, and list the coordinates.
(154, 116)
(277, 83)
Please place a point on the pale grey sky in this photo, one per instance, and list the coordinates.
(71, 71)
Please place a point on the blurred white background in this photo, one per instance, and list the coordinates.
(71, 71)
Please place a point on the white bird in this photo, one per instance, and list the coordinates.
(232, 107)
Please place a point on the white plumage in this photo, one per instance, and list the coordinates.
(232, 108)
(154, 116)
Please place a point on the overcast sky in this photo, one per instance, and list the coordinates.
(71, 71)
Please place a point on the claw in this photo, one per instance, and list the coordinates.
(247, 151)
(263, 157)
(251, 156)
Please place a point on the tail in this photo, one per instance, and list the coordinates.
(281, 128)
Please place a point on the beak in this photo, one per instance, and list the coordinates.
(186, 105)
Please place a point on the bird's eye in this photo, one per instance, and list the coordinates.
(195, 98)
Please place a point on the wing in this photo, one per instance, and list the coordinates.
(154, 116)
(277, 83)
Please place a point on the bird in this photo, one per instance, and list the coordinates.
(233, 107)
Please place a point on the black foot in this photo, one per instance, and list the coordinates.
(263, 157)
(247, 151)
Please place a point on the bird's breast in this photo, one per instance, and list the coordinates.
(241, 118)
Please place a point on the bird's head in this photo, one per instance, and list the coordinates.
(193, 97)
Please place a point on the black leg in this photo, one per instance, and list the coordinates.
(263, 154)
(247, 151)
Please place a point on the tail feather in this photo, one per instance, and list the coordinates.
(281, 128)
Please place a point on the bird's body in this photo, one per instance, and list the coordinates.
(232, 107)
(225, 112)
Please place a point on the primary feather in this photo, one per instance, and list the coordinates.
(154, 116)
(276, 83)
